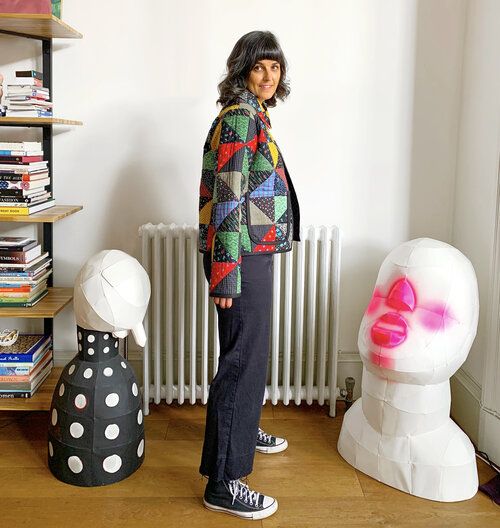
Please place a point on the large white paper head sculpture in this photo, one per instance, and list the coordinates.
(415, 333)
(111, 294)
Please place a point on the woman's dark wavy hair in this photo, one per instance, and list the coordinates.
(250, 48)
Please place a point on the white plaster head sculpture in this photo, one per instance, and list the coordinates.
(415, 333)
(111, 294)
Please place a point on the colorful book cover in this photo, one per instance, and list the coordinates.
(12, 376)
(15, 303)
(27, 348)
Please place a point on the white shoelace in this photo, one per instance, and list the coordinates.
(264, 437)
(243, 492)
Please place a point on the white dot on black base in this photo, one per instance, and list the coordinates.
(61, 389)
(90, 351)
(135, 390)
(108, 371)
(140, 448)
(51, 449)
(80, 401)
(123, 364)
(88, 373)
(91, 338)
(76, 430)
(112, 464)
(112, 399)
(106, 350)
(79, 336)
(116, 344)
(139, 417)
(75, 464)
(106, 336)
(112, 432)
(54, 416)
(71, 369)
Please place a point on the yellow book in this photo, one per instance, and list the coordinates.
(25, 211)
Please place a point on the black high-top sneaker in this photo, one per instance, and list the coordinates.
(236, 498)
(267, 443)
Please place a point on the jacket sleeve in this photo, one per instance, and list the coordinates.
(235, 141)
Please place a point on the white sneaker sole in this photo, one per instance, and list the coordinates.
(270, 450)
(252, 516)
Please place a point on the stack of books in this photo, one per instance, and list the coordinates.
(27, 97)
(25, 365)
(24, 177)
(24, 271)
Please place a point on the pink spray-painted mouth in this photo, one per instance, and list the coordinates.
(389, 330)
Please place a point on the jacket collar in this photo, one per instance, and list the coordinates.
(249, 97)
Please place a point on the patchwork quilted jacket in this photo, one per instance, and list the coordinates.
(247, 203)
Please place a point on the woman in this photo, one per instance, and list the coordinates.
(248, 211)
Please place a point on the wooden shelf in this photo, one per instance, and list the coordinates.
(40, 401)
(49, 306)
(37, 121)
(50, 215)
(42, 26)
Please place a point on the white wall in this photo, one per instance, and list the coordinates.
(476, 209)
(477, 157)
(369, 132)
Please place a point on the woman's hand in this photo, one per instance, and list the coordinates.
(223, 302)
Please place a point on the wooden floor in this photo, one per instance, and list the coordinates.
(313, 484)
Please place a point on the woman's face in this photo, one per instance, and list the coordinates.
(264, 78)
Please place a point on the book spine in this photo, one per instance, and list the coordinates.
(20, 159)
(16, 199)
(28, 304)
(19, 153)
(25, 368)
(19, 176)
(16, 358)
(16, 394)
(13, 211)
(27, 81)
(19, 256)
(30, 73)
(15, 379)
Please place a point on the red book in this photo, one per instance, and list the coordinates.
(20, 159)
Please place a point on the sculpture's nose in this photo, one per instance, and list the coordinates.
(402, 296)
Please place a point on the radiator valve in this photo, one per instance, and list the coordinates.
(347, 393)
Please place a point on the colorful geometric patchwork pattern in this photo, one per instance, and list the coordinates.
(244, 201)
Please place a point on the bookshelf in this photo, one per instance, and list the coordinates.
(43, 28)
(37, 121)
(36, 26)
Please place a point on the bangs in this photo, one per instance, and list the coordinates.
(266, 49)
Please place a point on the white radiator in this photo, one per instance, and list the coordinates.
(182, 350)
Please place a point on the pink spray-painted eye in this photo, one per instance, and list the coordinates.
(389, 330)
(436, 316)
(402, 296)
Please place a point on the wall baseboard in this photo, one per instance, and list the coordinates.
(466, 403)
(489, 434)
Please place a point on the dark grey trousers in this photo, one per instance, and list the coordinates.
(237, 391)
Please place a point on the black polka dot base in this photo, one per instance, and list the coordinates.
(96, 426)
